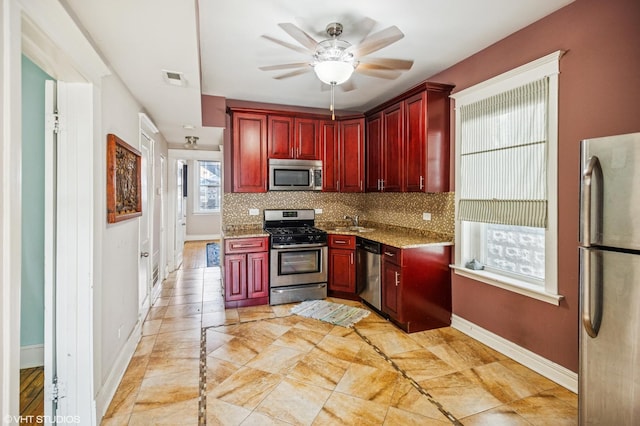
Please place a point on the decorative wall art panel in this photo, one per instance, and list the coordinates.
(123, 180)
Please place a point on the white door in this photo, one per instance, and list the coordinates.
(146, 224)
(68, 244)
(181, 214)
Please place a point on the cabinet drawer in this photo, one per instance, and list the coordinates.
(342, 241)
(392, 254)
(246, 245)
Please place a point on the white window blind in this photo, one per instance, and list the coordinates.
(503, 157)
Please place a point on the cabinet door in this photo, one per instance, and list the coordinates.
(373, 154)
(391, 290)
(330, 161)
(437, 144)
(352, 155)
(307, 146)
(392, 146)
(280, 137)
(235, 282)
(415, 163)
(342, 270)
(257, 275)
(249, 148)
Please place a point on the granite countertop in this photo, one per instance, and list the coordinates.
(390, 235)
(396, 236)
(244, 233)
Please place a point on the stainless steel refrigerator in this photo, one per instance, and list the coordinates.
(609, 378)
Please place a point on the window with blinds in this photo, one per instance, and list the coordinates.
(504, 156)
(506, 174)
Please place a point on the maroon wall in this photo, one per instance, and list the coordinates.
(599, 95)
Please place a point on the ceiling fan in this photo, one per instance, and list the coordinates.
(334, 60)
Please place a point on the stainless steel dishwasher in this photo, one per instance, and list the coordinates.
(368, 271)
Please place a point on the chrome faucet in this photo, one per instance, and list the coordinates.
(355, 220)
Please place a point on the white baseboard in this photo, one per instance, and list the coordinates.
(552, 371)
(31, 356)
(202, 237)
(108, 389)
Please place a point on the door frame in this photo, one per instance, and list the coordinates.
(148, 171)
(174, 156)
(30, 26)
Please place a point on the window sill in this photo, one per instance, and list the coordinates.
(509, 284)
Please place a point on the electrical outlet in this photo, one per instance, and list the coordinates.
(426, 216)
(318, 211)
(254, 212)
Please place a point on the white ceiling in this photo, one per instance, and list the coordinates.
(140, 38)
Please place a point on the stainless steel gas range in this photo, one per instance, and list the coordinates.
(298, 256)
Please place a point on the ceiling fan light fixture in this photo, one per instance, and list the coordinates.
(191, 142)
(333, 72)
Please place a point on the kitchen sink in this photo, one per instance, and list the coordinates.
(353, 229)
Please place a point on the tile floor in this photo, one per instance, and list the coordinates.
(198, 363)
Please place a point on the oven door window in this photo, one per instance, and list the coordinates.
(292, 177)
(299, 262)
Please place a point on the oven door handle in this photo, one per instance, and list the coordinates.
(275, 290)
(297, 246)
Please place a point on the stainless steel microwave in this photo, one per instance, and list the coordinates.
(295, 175)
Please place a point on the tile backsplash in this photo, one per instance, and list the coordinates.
(397, 209)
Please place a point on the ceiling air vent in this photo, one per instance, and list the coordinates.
(174, 78)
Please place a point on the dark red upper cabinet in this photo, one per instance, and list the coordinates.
(374, 153)
(281, 142)
(415, 164)
(351, 155)
(414, 144)
(249, 152)
(330, 160)
(307, 143)
(392, 148)
(427, 140)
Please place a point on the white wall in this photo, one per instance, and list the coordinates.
(116, 306)
(116, 287)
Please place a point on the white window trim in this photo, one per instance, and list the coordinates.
(547, 66)
(197, 211)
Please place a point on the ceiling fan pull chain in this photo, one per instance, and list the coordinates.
(331, 107)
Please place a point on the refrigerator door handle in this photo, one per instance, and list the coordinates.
(591, 320)
(588, 176)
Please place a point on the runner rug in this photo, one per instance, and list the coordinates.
(213, 254)
(334, 313)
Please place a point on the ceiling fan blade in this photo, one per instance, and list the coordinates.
(378, 40)
(365, 25)
(386, 63)
(292, 73)
(300, 36)
(285, 66)
(380, 73)
(288, 45)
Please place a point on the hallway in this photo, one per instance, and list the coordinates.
(198, 363)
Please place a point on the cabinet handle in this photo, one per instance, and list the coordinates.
(421, 182)
(339, 242)
(381, 184)
(389, 254)
(397, 278)
(237, 246)
(351, 256)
